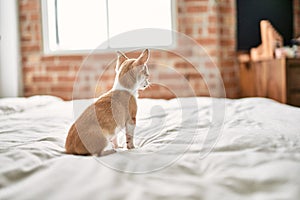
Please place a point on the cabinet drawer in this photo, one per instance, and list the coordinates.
(294, 77)
(294, 99)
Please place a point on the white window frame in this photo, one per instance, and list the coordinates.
(49, 51)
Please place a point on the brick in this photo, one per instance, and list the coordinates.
(225, 31)
(27, 69)
(227, 42)
(42, 79)
(210, 64)
(28, 90)
(66, 78)
(194, 76)
(179, 10)
(36, 27)
(25, 28)
(197, 9)
(29, 5)
(33, 58)
(76, 68)
(207, 41)
(211, 86)
(226, 10)
(48, 58)
(196, 1)
(59, 68)
(212, 30)
(172, 55)
(157, 54)
(227, 20)
(212, 19)
(62, 89)
(23, 17)
(168, 76)
(133, 54)
(30, 48)
(213, 52)
(70, 58)
(26, 37)
(35, 16)
(192, 20)
(189, 31)
(103, 57)
(227, 63)
(105, 77)
(83, 88)
(182, 65)
(200, 31)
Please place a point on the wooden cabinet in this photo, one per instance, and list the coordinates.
(278, 79)
(293, 81)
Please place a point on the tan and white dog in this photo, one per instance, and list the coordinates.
(100, 123)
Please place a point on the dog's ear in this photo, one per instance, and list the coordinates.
(121, 58)
(144, 57)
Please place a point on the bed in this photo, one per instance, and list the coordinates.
(187, 148)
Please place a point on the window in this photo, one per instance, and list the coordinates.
(80, 25)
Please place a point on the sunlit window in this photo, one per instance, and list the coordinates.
(78, 25)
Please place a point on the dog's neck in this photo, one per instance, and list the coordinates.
(118, 86)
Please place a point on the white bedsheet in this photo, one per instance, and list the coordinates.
(255, 156)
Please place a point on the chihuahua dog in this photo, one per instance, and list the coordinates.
(101, 122)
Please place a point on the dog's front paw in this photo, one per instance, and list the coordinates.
(129, 141)
(130, 145)
(114, 143)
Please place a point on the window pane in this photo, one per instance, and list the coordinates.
(82, 24)
(51, 25)
(139, 14)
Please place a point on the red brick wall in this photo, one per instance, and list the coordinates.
(209, 22)
(227, 50)
(200, 20)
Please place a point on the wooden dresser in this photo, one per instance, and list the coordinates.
(293, 81)
(278, 79)
(262, 75)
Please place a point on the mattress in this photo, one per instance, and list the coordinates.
(186, 148)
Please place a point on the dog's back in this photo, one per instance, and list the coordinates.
(89, 133)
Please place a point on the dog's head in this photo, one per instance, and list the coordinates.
(133, 73)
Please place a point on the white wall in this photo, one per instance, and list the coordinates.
(10, 63)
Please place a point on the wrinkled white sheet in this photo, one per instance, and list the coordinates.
(186, 149)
